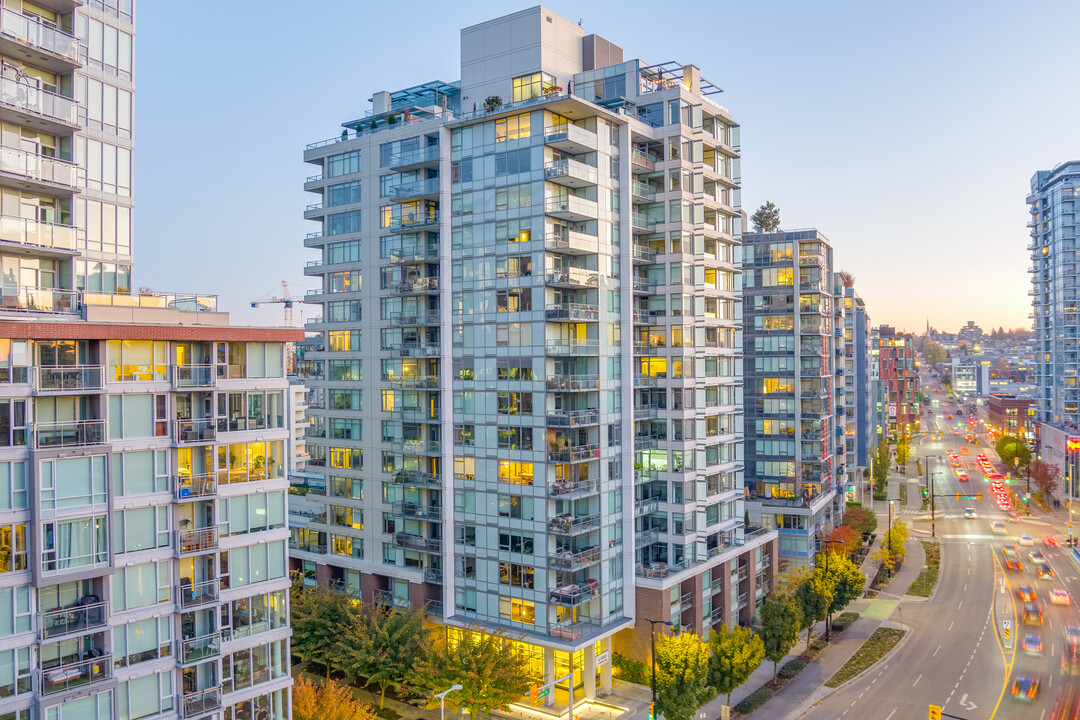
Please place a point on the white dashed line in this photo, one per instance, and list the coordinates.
(951, 624)
(936, 651)
(917, 680)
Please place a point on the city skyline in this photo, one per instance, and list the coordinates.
(972, 260)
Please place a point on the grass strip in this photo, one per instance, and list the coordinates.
(924, 584)
(876, 647)
(903, 494)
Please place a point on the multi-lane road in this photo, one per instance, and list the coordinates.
(956, 653)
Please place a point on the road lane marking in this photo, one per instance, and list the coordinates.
(892, 713)
(917, 680)
(951, 624)
(965, 587)
(936, 651)
(960, 605)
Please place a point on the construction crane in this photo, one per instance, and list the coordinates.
(286, 299)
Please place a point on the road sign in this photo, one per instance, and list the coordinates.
(543, 693)
(1006, 624)
(934, 712)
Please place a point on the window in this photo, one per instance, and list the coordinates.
(516, 543)
(343, 311)
(516, 368)
(346, 281)
(137, 361)
(343, 164)
(512, 163)
(341, 223)
(516, 473)
(71, 483)
(141, 529)
(344, 340)
(531, 86)
(13, 550)
(517, 610)
(343, 194)
(14, 360)
(515, 403)
(515, 127)
(512, 438)
(140, 585)
(513, 300)
(142, 641)
(145, 696)
(12, 423)
(343, 252)
(513, 197)
(12, 486)
(516, 507)
(73, 543)
(516, 575)
(14, 672)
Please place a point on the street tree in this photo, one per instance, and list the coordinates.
(1012, 451)
(933, 353)
(848, 538)
(844, 578)
(902, 452)
(1045, 477)
(735, 655)
(781, 620)
(682, 675)
(861, 519)
(767, 218)
(320, 618)
(891, 551)
(328, 701)
(492, 671)
(881, 466)
(384, 646)
(814, 595)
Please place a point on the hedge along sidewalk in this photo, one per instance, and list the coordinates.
(924, 585)
(877, 646)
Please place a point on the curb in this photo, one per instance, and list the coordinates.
(888, 624)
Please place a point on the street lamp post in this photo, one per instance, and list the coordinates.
(442, 699)
(652, 642)
(828, 614)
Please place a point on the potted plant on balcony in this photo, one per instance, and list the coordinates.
(492, 102)
(552, 90)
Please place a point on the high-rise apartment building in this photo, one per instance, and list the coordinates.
(794, 387)
(1054, 195)
(858, 393)
(899, 381)
(143, 569)
(530, 414)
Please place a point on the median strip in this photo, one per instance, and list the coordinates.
(876, 647)
(924, 584)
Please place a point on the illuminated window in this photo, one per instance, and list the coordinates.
(517, 610)
(465, 468)
(515, 575)
(515, 127)
(532, 86)
(516, 473)
(388, 400)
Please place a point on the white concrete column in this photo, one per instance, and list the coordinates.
(588, 669)
(549, 674)
(605, 669)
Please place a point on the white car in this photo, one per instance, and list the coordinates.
(1027, 540)
(999, 528)
(969, 513)
(1059, 596)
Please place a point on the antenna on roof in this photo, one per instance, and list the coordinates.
(581, 22)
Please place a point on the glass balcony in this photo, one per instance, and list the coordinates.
(574, 453)
(570, 138)
(643, 191)
(69, 378)
(571, 243)
(41, 169)
(201, 703)
(307, 547)
(74, 433)
(571, 208)
(643, 222)
(416, 287)
(572, 311)
(71, 619)
(570, 525)
(200, 648)
(198, 594)
(191, 376)
(643, 161)
(416, 542)
(408, 158)
(573, 383)
(569, 630)
(29, 30)
(414, 221)
(423, 188)
(569, 560)
(416, 511)
(430, 317)
(572, 277)
(570, 173)
(416, 381)
(39, 299)
(574, 594)
(196, 431)
(193, 542)
(573, 418)
(38, 234)
(60, 113)
(416, 447)
(417, 479)
(68, 676)
(193, 487)
(645, 506)
(433, 575)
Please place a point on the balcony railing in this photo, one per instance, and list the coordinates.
(414, 221)
(201, 593)
(188, 376)
(307, 547)
(572, 169)
(568, 560)
(572, 383)
(39, 299)
(23, 97)
(25, 231)
(568, 630)
(417, 447)
(416, 542)
(75, 618)
(433, 575)
(69, 378)
(193, 431)
(574, 595)
(572, 346)
(388, 599)
(75, 433)
(415, 510)
(573, 418)
(414, 189)
(415, 478)
(200, 648)
(570, 525)
(193, 487)
(190, 542)
(567, 490)
(414, 157)
(32, 31)
(572, 311)
(40, 168)
(570, 133)
(645, 506)
(643, 159)
(574, 453)
(76, 674)
(201, 703)
(431, 317)
(421, 285)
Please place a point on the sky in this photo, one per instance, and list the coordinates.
(907, 133)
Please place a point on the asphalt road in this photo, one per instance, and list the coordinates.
(955, 653)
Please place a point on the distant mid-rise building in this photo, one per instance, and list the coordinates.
(900, 381)
(1012, 415)
(858, 393)
(1052, 245)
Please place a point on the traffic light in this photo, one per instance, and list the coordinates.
(534, 693)
(935, 712)
(652, 712)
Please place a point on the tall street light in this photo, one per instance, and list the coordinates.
(442, 699)
(652, 642)
(828, 614)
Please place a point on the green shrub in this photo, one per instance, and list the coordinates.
(630, 670)
(754, 700)
(818, 643)
(792, 668)
(387, 713)
(844, 620)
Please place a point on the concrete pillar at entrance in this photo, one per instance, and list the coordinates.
(549, 674)
(605, 669)
(589, 671)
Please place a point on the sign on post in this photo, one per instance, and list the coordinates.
(543, 693)
(603, 658)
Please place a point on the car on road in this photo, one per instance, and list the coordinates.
(1051, 541)
(1027, 540)
(999, 528)
(1025, 688)
(962, 476)
(1037, 556)
(1012, 561)
(1060, 596)
(1026, 594)
(1032, 644)
(969, 513)
(1044, 571)
(1032, 614)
